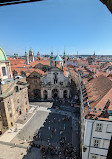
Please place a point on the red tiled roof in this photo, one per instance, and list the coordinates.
(44, 62)
(27, 70)
(16, 61)
(99, 90)
(104, 100)
(64, 69)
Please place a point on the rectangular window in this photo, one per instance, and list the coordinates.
(11, 115)
(3, 71)
(16, 89)
(96, 143)
(99, 127)
(93, 157)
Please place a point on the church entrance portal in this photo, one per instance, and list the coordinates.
(45, 94)
(55, 94)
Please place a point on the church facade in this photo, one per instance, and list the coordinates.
(55, 85)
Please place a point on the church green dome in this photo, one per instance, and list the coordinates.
(57, 58)
(3, 56)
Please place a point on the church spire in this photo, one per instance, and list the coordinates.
(26, 58)
(94, 54)
(51, 59)
(64, 57)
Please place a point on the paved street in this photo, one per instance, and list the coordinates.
(54, 129)
(33, 125)
(52, 132)
(9, 152)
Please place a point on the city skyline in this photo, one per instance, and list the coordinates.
(54, 25)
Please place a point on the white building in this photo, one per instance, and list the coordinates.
(97, 137)
(55, 85)
(96, 118)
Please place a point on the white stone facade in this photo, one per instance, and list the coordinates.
(7, 70)
(95, 135)
(55, 85)
(96, 141)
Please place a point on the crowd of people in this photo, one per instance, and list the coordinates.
(63, 151)
(63, 148)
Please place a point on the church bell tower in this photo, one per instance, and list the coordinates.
(51, 59)
(26, 58)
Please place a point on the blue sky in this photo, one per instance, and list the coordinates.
(76, 25)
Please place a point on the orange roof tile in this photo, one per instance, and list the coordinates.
(99, 90)
(27, 70)
(16, 61)
(44, 62)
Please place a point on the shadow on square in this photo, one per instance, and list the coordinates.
(54, 138)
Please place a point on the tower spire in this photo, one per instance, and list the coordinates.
(26, 58)
(51, 59)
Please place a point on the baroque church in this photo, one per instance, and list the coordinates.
(55, 85)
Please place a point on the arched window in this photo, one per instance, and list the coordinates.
(4, 71)
(65, 94)
(45, 94)
(55, 94)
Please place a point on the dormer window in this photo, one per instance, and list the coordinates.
(3, 71)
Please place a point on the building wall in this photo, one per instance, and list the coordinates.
(31, 58)
(103, 137)
(60, 92)
(60, 63)
(63, 83)
(89, 134)
(12, 103)
(8, 70)
(34, 84)
(75, 77)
